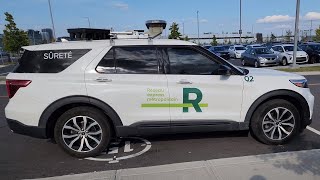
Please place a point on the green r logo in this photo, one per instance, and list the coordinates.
(194, 102)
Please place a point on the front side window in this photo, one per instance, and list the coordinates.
(190, 62)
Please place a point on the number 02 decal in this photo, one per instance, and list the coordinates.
(249, 78)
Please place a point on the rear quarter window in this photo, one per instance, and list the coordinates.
(48, 61)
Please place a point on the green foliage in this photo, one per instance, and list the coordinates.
(174, 31)
(288, 35)
(317, 37)
(14, 38)
(186, 38)
(273, 38)
(214, 41)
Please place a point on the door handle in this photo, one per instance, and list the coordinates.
(103, 80)
(183, 81)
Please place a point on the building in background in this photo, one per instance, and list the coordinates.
(35, 37)
(50, 34)
(89, 34)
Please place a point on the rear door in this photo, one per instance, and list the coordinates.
(130, 80)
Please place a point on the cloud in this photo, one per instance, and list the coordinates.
(282, 26)
(312, 16)
(120, 5)
(275, 19)
(203, 21)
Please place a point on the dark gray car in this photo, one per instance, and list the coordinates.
(259, 56)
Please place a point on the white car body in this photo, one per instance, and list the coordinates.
(236, 53)
(225, 98)
(280, 50)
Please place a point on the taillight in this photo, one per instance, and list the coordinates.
(14, 85)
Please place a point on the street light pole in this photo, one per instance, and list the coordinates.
(240, 31)
(88, 21)
(54, 31)
(198, 27)
(296, 35)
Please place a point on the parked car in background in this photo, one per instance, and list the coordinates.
(260, 56)
(285, 53)
(220, 51)
(253, 46)
(313, 50)
(236, 51)
(4, 57)
(207, 47)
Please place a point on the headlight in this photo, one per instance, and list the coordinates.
(302, 83)
(237, 52)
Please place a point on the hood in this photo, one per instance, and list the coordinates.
(222, 52)
(299, 53)
(240, 51)
(271, 72)
(267, 55)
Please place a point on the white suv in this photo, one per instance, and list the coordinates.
(83, 94)
(285, 53)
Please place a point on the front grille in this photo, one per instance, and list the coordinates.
(301, 59)
(270, 59)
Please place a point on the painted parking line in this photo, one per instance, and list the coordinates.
(316, 84)
(313, 130)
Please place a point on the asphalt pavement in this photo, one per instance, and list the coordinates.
(26, 157)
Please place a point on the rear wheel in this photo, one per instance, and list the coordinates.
(275, 122)
(313, 60)
(82, 132)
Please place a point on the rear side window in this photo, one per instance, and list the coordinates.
(130, 60)
(48, 61)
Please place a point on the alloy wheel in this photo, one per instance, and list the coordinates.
(82, 133)
(278, 123)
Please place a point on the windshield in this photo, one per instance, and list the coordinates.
(218, 49)
(240, 48)
(263, 51)
(290, 48)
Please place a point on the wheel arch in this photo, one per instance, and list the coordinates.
(293, 97)
(50, 115)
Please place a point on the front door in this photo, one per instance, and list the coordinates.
(197, 94)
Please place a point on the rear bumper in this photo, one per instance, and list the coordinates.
(33, 131)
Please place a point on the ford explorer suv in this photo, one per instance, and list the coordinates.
(84, 94)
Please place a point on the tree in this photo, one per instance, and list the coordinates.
(14, 38)
(273, 38)
(186, 38)
(174, 31)
(317, 37)
(288, 35)
(214, 41)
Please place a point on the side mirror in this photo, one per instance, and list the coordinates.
(224, 70)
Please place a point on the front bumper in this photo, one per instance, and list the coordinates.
(33, 131)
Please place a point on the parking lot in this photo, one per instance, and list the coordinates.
(25, 157)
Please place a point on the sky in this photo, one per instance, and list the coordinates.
(216, 16)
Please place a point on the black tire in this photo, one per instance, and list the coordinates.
(256, 124)
(243, 62)
(312, 60)
(93, 114)
(256, 64)
(284, 61)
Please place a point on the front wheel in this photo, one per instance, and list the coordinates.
(243, 62)
(83, 132)
(256, 64)
(275, 122)
(284, 62)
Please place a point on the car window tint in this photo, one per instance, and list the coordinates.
(136, 60)
(189, 61)
(107, 63)
(48, 61)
